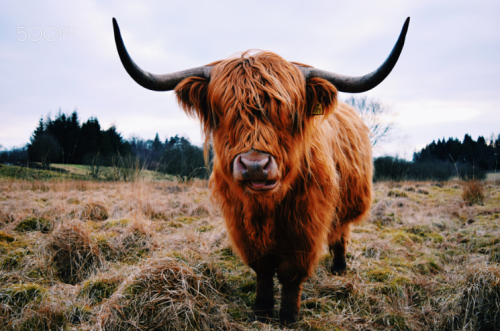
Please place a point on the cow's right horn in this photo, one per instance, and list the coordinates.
(166, 82)
(363, 83)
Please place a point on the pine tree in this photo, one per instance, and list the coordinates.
(157, 145)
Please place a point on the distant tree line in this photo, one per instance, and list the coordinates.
(176, 156)
(64, 140)
(467, 159)
(14, 156)
(481, 154)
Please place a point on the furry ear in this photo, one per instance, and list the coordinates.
(321, 97)
(191, 95)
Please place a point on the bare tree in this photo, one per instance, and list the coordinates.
(379, 117)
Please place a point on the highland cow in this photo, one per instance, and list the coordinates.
(292, 168)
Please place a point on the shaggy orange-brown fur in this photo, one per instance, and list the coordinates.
(262, 102)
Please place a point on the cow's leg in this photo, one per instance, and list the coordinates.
(338, 251)
(291, 281)
(338, 247)
(265, 268)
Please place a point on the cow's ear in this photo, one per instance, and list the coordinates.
(191, 95)
(321, 97)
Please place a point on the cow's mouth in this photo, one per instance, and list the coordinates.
(262, 185)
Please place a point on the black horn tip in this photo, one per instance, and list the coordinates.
(406, 25)
(115, 25)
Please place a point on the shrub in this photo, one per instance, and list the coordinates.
(75, 254)
(34, 224)
(473, 192)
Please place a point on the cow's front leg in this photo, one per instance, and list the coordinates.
(338, 251)
(291, 281)
(265, 268)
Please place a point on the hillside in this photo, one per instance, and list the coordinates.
(146, 255)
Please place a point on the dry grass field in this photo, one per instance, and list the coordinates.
(82, 255)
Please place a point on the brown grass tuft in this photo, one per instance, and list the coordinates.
(167, 295)
(75, 254)
(94, 212)
(480, 303)
(150, 212)
(477, 307)
(135, 242)
(6, 219)
(473, 192)
(49, 316)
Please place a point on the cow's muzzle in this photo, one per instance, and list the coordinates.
(256, 170)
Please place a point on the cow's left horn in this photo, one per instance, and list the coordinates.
(151, 81)
(366, 82)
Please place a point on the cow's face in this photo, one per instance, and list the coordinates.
(259, 112)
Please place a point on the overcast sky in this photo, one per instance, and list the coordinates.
(446, 83)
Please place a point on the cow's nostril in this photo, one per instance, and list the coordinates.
(267, 166)
(241, 164)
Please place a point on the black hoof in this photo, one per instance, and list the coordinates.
(263, 314)
(339, 269)
(287, 318)
(261, 319)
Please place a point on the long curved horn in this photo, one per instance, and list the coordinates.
(366, 82)
(151, 81)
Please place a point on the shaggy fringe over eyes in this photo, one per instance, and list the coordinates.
(257, 96)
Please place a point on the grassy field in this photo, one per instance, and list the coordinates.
(81, 172)
(154, 255)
